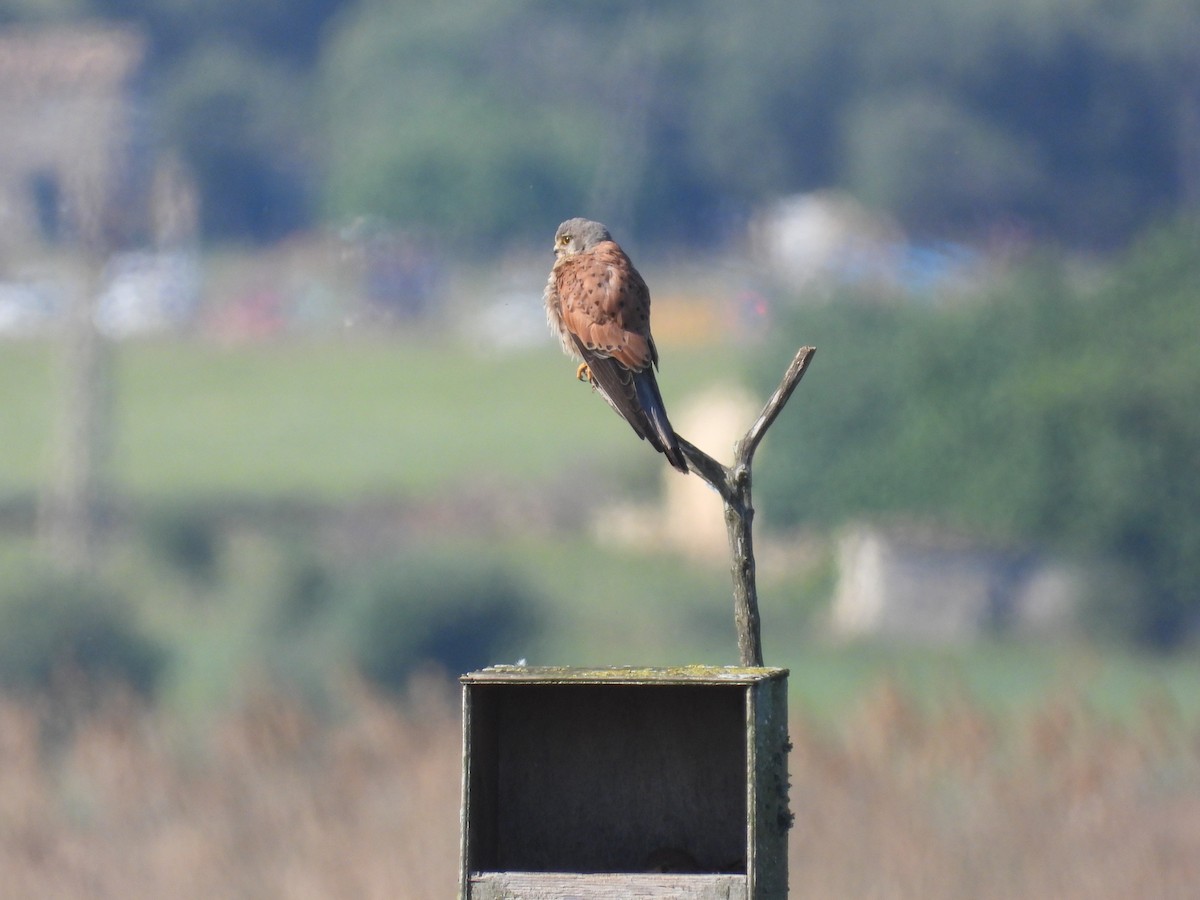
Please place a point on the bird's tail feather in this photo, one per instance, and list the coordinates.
(662, 435)
(635, 397)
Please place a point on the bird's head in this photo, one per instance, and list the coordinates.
(577, 236)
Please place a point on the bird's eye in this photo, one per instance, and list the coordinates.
(565, 239)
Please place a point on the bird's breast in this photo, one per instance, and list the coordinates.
(554, 316)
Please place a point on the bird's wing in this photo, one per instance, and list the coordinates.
(605, 306)
(637, 400)
(616, 384)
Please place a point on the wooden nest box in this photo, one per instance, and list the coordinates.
(604, 783)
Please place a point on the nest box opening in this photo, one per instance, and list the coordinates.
(608, 778)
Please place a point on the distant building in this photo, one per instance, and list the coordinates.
(691, 517)
(931, 588)
(77, 161)
(82, 182)
(693, 513)
(826, 237)
(810, 243)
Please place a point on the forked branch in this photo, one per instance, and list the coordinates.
(733, 484)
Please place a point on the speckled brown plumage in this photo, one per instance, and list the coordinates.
(599, 305)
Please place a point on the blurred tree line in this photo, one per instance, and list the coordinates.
(486, 119)
(1051, 409)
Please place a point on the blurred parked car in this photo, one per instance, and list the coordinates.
(27, 309)
(146, 293)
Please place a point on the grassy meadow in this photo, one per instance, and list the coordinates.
(330, 418)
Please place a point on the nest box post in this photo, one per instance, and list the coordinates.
(606, 783)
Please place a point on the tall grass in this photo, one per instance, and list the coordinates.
(271, 802)
(897, 801)
(1054, 802)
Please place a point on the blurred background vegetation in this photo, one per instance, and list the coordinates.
(670, 121)
(375, 183)
(342, 448)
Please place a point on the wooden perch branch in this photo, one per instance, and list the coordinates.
(733, 484)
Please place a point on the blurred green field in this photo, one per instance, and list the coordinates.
(331, 419)
(612, 607)
(603, 606)
(340, 419)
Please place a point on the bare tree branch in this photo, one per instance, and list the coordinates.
(712, 472)
(775, 404)
(733, 484)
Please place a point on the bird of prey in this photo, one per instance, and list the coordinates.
(599, 306)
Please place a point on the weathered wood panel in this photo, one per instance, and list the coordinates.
(560, 886)
(623, 675)
(625, 783)
(770, 815)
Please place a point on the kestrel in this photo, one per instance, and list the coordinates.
(599, 306)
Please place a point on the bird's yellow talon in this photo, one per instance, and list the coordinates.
(583, 373)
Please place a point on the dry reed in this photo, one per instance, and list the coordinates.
(276, 801)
